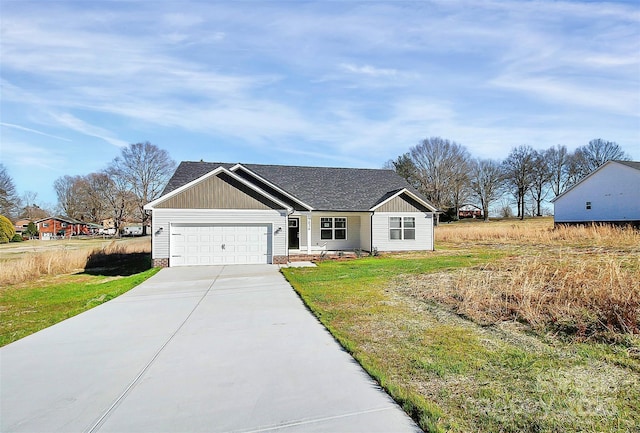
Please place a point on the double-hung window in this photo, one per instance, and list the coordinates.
(402, 228)
(333, 228)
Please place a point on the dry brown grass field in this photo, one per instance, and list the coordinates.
(581, 281)
(25, 261)
(509, 326)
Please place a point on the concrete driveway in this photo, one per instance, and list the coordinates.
(193, 349)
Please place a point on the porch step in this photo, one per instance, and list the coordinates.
(330, 255)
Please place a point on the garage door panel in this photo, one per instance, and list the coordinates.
(210, 244)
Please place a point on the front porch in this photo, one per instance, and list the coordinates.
(322, 234)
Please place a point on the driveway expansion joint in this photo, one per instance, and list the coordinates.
(309, 421)
(96, 426)
(254, 359)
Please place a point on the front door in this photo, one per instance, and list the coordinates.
(294, 233)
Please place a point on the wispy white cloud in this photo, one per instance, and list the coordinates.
(369, 70)
(23, 154)
(33, 131)
(554, 89)
(357, 82)
(69, 121)
(180, 20)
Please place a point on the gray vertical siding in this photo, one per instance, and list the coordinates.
(402, 203)
(218, 192)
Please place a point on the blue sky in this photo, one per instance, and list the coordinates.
(329, 83)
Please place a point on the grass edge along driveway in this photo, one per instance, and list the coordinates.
(338, 291)
(450, 374)
(27, 308)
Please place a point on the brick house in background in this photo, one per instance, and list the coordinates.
(469, 211)
(21, 226)
(53, 227)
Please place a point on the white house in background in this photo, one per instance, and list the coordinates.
(611, 194)
(220, 213)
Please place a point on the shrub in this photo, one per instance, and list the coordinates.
(7, 231)
(32, 230)
(16, 238)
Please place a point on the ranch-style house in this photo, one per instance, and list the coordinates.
(220, 213)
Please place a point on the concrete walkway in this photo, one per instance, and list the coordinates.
(194, 349)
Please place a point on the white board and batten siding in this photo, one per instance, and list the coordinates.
(423, 232)
(197, 236)
(610, 194)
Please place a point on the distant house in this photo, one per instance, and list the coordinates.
(132, 230)
(93, 228)
(611, 194)
(469, 211)
(61, 227)
(127, 228)
(21, 226)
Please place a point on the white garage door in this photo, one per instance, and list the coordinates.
(216, 244)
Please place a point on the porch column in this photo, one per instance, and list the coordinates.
(309, 233)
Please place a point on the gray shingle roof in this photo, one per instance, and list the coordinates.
(632, 164)
(323, 188)
(189, 171)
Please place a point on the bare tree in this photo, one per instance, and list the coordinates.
(588, 158)
(83, 197)
(486, 182)
(145, 169)
(9, 201)
(442, 168)
(540, 180)
(30, 209)
(95, 202)
(558, 162)
(460, 188)
(114, 191)
(68, 190)
(518, 171)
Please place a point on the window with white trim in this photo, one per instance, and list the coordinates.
(402, 228)
(333, 228)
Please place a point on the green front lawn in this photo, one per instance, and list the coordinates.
(451, 374)
(29, 307)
